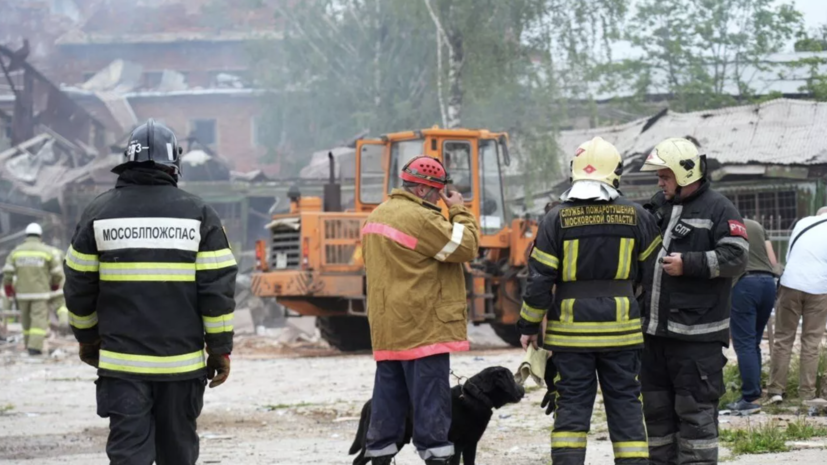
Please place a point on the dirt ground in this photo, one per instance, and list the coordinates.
(282, 405)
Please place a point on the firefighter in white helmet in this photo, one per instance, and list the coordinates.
(594, 250)
(687, 320)
(39, 272)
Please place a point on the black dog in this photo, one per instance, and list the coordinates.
(471, 409)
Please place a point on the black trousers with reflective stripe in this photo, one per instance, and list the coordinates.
(577, 376)
(151, 421)
(682, 383)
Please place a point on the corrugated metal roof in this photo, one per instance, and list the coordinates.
(782, 131)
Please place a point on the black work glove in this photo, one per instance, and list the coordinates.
(218, 369)
(549, 402)
(90, 353)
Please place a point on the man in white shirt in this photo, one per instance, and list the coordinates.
(802, 295)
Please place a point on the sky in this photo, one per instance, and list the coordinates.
(815, 12)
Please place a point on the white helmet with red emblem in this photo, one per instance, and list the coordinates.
(597, 160)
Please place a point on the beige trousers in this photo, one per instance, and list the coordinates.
(793, 306)
(35, 318)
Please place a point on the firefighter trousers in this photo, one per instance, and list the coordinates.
(578, 374)
(420, 387)
(682, 383)
(35, 318)
(151, 421)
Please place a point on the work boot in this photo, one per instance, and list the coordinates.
(35, 352)
(384, 460)
(440, 461)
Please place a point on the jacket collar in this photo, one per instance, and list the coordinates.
(138, 176)
(403, 194)
(701, 189)
(32, 239)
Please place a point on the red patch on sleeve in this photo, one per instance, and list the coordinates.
(736, 228)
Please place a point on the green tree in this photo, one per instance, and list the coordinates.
(813, 65)
(703, 53)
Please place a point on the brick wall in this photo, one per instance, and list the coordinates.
(234, 122)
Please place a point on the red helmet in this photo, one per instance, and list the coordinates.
(425, 170)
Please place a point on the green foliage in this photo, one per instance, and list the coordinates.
(801, 430)
(704, 52)
(762, 439)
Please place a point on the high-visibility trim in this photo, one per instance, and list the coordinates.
(387, 450)
(218, 324)
(661, 440)
(62, 311)
(436, 452)
(545, 258)
(214, 260)
(391, 233)
(452, 245)
(421, 352)
(83, 322)
(568, 440)
(699, 223)
(531, 314)
(570, 250)
(31, 254)
(631, 450)
(622, 308)
(643, 256)
(567, 311)
(698, 444)
(82, 262)
(34, 332)
(147, 364)
(694, 330)
(594, 341)
(737, 241)
(595, 326)
(34, 296)
(624, 260)
(147, 271)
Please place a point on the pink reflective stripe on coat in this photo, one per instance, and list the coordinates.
(391, 233)
(421, 352)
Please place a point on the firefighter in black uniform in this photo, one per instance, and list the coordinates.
(150, 278)
(595, 248)
(687, 320)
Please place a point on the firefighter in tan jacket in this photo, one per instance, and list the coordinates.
(39, 272)
(417, 309)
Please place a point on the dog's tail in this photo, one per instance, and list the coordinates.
(364, 420)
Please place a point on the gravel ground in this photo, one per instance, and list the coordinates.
(293, 405)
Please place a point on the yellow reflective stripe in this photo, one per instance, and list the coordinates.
(595, 326)
(34, 332)
(568, 439)
(147, 364)
(594, 340)
(631, 450)
(654, 245)
(624, 260)
(214, 260)
(62, 310)
(570, 250)
(147, 271)
(531, 314)
(32, 253)
(81, 261)
(218, 324)
(544, 258)
(567, 311)
(83, 322)
(622, 308)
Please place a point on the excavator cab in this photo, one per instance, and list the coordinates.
(474, 160)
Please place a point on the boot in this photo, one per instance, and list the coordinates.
(439, 461)
(35, 352)
(385, 460)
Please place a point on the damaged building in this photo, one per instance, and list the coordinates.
(770, 159)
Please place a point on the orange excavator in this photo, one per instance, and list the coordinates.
(312, 262)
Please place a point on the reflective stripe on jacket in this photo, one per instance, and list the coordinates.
(37, 267)
(415, 280)
(150, 272)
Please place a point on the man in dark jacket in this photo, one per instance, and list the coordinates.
(687, 320)
(593, 249)
(150, 278)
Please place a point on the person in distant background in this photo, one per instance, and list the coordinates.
(802, 296)
(752, 300)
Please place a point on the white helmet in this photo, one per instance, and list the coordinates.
(34, 229)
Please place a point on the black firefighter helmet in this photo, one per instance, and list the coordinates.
(152, 144)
